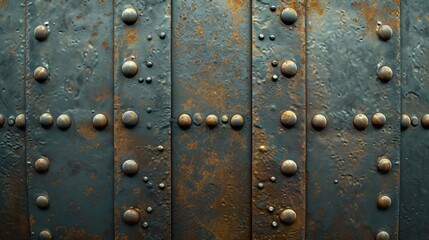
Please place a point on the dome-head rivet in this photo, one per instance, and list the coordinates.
(2, 120)
(360, 121)
(99, 121)
(288, 119)
(46, 120)
(273, 8)
(129, 68)
(41, 32)
(20, 121)
(131, 217)
(45, 235)
(415, 121)
(130, 119)
(288, 167)
(184, 121)
(385, 32)
(41, 165)
(129, 16)
(289, 68)
(384, 202)
(382, 235)
(41, 74)
(63, 122)
(42, 202)
(224, 119)
(212, 120)
(385, 73)
(405, 121)
(130, 167)
(237, 122)
(319, 122)
(288, 16)
(378, 120)
(288, 216)
(274, 224)
(425, 121)
(384, 165)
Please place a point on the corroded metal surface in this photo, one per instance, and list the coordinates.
(211, 75)
(344, 54)
(279, 118)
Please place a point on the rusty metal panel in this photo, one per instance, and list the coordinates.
(348, 44)
(279, 118)
(142, 120)
(13, 190)
(69, 82)
(211, 56)
(415, 121)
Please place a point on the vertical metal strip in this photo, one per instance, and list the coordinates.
(353, 157)
(279, 120)
(212, 104)
(415, 121)
(13, 191)
(69, 102)
(142, 120)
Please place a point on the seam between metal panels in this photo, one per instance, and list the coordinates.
(113, 115)
(306, 114)
(251, 116)
(25, 109)
(171, 119)
(399, 122)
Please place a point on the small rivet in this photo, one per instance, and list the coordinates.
(42, 202)
(162, 35)
(149, 209)
(224, 119)
(184, 121)
(274, 63)
(149, 64)
(131, 217)
(274, 224)
(288, 119)
(41, 74)
(272, 37)
(378, 120)
(145, 225)
(273, 8)
(41, 32)
(129, 16)
(384, 165)
(149, 37)
(382, 235)
(160, 148)
(63, 122)
(145, 179)
(360, 121)
(273, 179)
(288, 16)
(130, 167)
(45, 235)
(260, 185)
(41, 165)
(129, 68)
(161, 185)
(212, 120)
(270, 209)
(415, 121)
(288, 167)
(289, 68)
(261, 36)
(198, 118)
(288, 216)
(130, 119)
(149, 80)
(385, 32)
(385, 73)
(20, 121)
(237, 122)
(405, 121)
(263, 148)
(11, 120)
(319, 122)
(275, 77)
(99, 121)
(46, 120)
(384, 202)
(2, 119)
(425, 121)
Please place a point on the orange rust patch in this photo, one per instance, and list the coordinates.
(94, 35)
(89, 190)
(420, 18)
(192, 145)
(314, 6)
(78, 17)
(105, 44)
(87, 131)
(77, 234)
(3, 3)
(130, 37)
(372, 11)
(236, 5)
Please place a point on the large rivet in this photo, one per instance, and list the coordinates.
(237, 121)
(384, 165)
(319, 122)
(405, 121)
(41, 74)
(20, 121)
(378, 120)
(129, 68)
(42, 202)
(425, 121)
(2, 119)
(289, 68)
(288, 216)
(384, 202)
(289, 16)
(384, 32)
(385, 73)
(41, 165)
(288, 167)
(41, 32)
(212, 120)
(46, 120)
(45, 235)
(131, 216)
(415, 121)
(99, 121)
(129, 16)
(130, 119)
(288, 119)
(63, 122)
(360, 121)
(184, 121)
(382, 235)
(130, 167)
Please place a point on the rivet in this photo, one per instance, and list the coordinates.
(273, 179)
(319, 122)
(149, 64)
(145, 179)
(378, 120)
(360, 121)
(288, 16)
(288, 167)
(224, 119)
(41, 74)
(289, 68)
(198, 118)
(384, 165)
(385, 73)
(41, 32)
(2, 120)
(260, 185)
(99, 121)
(272, 37)
(130, 119)
(270, 209)
(425, 121)
(274, 63)
(160, 148)
(149, 80)
(129, 68)
(288, 119)
(11, 120)
(405, 121)
(130, 167)
(275, 77)
(415, 121)
(385, 32)
(162, 35)
(184, 121)
(149, 37)
(274, 224)
(212, 120)
(131, 217)
(20, 121)
(145, 225)
(41, 165)
(129, 16)
(161, 185)
(263, 148)
(261, 36)
(384, 202)
(149, 209)
(63, 122)
(42, 202)
(46, 120)
(273, 8)
(382, 235)
(237, 122)
(45, 235)
(288, 216)
(335, 181)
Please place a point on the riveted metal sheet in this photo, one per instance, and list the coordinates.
(343, 56)
(415, 98)
(13, 190)
(78, 54)
(211, 75)
(274, 142)
(146, 42)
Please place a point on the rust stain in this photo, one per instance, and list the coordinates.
(315, 6)
(89, 190)
(420, 18)
(372, 11)
(193, 145)
(3, 3)
(236, 5)
(74, 233)
(105, 44)
(78, 17)
(87, 131)
(94, 35)
(130, 37)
